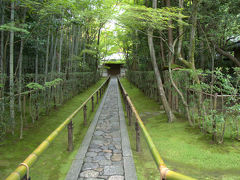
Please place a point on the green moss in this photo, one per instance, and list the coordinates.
(56, 160)
(183, 149)
(115, 62)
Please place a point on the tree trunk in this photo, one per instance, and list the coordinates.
(60, 50)
(51, 54)
(202, 55)
(192, 46)
(78, 41)
(46, 97)
(180, 31)
(170, 31)
(170, 43)
(2, 78)
(36, 64)
(72, 47)
(47, 56)
(20, 61)
(228, 55)
(2, 44)
(11, 75)
(179, 92)
(54, 57)
(166, 106)
(98, 43)
(70, 51)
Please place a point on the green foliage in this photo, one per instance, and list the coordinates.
(53, 83)
(107, 67)
(142, 17)
(177, 143)
(89, 51)
(12, 27)
(34, 86)
(115, 62)
(58, 158)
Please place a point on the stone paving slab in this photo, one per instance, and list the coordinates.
(105, 153)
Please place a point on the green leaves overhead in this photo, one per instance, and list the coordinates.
(143, 17)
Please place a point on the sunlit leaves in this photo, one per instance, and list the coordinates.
(143, 17)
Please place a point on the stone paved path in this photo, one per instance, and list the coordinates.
(108, 155)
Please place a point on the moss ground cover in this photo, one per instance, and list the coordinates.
(56, 160)
(184, 149)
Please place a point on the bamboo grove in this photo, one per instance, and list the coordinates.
(48, 54)
(185, 54)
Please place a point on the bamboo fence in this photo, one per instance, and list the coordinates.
(165, 173)
(22, 171)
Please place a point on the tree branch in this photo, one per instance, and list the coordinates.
(226, 54)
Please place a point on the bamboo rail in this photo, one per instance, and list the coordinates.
(21, 170)
(165, 173)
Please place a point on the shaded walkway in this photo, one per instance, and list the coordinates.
(105, 152)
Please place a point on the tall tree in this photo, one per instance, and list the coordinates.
(166, 106)
(180, 31)
(47, 55)
(11, 66)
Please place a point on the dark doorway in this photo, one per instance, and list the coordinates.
(114, 69)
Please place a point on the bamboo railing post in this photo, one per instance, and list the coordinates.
(85, 114)
(97, 97)
(137, 136)
(70, 136)
(92, 103)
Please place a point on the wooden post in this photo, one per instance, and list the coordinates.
(85, 114)
(26, 178)
(126, 101)
(214, 126)
(97, 97)
(222, 102)
(92, 103)
(54, 98)
(137, 136)
(100, 92)
(24, 107)
(127, 110)
(130, 117)
(70, 136)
